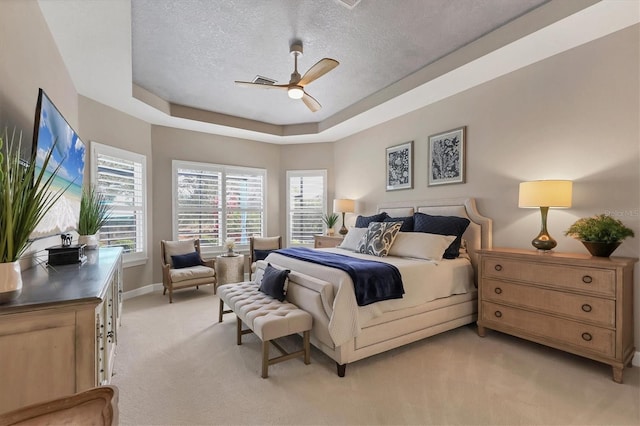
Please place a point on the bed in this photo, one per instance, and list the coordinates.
(347, 332)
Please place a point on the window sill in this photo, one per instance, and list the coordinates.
(133, 262)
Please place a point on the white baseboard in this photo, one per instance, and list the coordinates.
(144, 290)
(636, 359)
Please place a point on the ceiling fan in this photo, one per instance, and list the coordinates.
(295, 88)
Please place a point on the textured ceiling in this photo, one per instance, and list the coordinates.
(190, 52)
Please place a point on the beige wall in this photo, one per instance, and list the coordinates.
(175, 144)
(105, 125)
(573, 116)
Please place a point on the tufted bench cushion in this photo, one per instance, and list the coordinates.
(267, 317)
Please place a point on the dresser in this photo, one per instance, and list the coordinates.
(572, 302)
(325, 241)
(59, 336)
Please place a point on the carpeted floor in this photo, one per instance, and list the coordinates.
(176, 365)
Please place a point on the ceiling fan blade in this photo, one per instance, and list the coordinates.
(261, 86)
(321, 67)
(310, 102)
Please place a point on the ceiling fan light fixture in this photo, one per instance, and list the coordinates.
(295, 92)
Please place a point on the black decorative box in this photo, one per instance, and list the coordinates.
(65, 255)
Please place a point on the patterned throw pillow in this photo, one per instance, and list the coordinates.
(379, 238)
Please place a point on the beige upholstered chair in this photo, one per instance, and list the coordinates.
(193, 275)
(95, 406)
(261, 244)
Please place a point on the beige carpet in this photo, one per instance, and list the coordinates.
(177, 365)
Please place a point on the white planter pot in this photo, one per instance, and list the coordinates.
(10, 281)
(90, 241)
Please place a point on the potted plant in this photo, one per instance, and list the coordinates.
(330, 219)
(94, 212)
(601, 234)
(25, 197)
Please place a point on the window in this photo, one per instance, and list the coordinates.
(214, 202)
(121, 176)
(306, 204)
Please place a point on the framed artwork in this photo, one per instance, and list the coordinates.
(447, 157)
(400, 166)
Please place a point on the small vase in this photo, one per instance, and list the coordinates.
(90, 241)
(601, 249)
(230, 252)
(330, 232)
(10, 281)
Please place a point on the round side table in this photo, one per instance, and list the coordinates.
(229, 269)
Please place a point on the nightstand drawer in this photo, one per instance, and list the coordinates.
(326, 241)
(577, 306)
(594, 280)
(589, 337)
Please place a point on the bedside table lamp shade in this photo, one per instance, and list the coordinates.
(545, 194)
(343, 206)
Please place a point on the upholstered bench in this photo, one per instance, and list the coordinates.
(268, 318)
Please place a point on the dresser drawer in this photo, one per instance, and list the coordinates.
(589, 337)
(600, 281)
(577, 306)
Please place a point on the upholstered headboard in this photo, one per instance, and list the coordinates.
(479, 233)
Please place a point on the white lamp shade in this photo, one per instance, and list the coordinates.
(344, 205)
(545, 193)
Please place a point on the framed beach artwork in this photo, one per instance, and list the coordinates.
(400, 166)
(447, 157)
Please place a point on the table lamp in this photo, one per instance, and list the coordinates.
(343, 206)
(545, 194)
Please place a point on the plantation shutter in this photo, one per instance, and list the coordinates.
(122, 183)
(306, 203)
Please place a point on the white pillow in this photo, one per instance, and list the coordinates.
(353, 237)
(420, 245)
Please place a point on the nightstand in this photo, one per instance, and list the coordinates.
(572, 302)
(325, 241)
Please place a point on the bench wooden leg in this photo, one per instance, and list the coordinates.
(238, 331)
(307, 347)
(265, 359)
(220, 311)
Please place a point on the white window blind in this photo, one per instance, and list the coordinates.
(120, 176)
(306, 204)
(215, 202)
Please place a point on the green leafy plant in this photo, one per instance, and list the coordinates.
(330, 219)
(94, 211)
(599, 228)
(25, 197)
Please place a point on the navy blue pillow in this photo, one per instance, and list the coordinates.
(407, 222)
(273, 282)
(364, 221)
(442, 225)
(260, 254)
(186, 260)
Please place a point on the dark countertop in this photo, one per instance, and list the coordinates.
(66, 284)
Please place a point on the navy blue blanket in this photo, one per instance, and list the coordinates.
(373, 281)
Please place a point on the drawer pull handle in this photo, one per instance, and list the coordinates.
(586, 307)
(498, 290)
(498, 314)
(498, 267)
(587, 279)
(587, 337)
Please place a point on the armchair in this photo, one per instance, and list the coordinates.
(259, 248)
(183, 267)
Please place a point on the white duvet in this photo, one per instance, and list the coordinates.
(423, 281)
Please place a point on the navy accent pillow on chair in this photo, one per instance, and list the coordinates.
(364, 221)
(186, 260)
(261, 254)
(407, 222)
(273, 281)
(442, 225)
